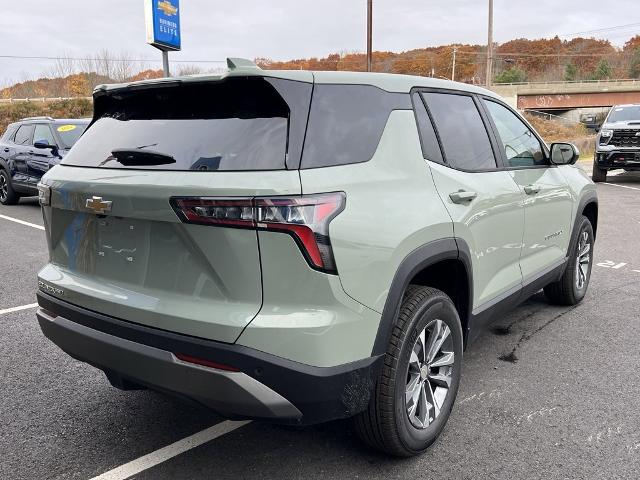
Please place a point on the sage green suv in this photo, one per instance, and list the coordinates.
(306, 246)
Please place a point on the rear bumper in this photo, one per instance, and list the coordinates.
(613, 158)
(265, 387)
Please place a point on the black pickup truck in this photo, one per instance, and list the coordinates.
(618, 142)
(29, 148)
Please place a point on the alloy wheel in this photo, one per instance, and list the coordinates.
(583, 260)
(430, 374)
(4, 188)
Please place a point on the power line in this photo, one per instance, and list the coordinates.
(98, 59)
(599, 30)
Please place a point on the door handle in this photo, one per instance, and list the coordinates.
(462, 196)
(6, 149)
(531, 189)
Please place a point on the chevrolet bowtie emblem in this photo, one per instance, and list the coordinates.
(167, 7)
(98, 205)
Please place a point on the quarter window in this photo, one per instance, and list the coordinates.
(346, 123)
(23, 135)
(462, 133)
(520, 145)
(429, 141)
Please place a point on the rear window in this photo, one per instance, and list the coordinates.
(237, 124)
(346, 123)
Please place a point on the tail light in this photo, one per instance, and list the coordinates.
(306, 218)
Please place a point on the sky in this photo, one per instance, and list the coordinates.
(286, 29)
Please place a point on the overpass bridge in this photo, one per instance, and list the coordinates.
(570, 99)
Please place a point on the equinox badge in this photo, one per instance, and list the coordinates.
(98, 205)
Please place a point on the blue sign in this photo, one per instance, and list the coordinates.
(163, 23)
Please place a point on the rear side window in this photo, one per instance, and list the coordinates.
(236, 124)
(23, 135)
(346, 123)
(461, 130)
(11, 131)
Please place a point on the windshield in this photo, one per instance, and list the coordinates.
(69, 133)
(624, 114)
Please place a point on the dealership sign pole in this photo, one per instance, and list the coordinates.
(162, 19)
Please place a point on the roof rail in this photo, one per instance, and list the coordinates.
(37, 118)
(241, 63)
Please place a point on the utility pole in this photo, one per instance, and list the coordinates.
(490, 46)
(453, 65)
(369, 33)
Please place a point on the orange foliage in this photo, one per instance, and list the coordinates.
(147, 75)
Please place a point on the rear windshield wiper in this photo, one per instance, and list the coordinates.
(133, 157)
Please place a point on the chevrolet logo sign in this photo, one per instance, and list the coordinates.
(167, 8)
(98, 205)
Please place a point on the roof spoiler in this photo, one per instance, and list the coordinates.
(241, 63)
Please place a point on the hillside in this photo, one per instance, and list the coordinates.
(518, 60)
(76, 108)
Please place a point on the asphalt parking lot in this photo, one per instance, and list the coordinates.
(547, 392)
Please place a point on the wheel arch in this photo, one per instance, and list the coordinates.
(590, 211)
(444, 264)
(587, 206)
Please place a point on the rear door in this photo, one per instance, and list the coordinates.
(482, 200)
(548, 199)
(20, 153)
(116, 244)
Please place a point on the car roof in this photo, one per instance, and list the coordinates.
(391, 82)
(53, 120)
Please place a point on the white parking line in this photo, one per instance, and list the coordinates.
(165, 453)
(621, 186)
(17, 309)
(22, 222)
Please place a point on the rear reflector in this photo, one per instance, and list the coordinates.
(205, 363)
(306, 218)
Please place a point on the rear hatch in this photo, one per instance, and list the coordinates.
(116, 244)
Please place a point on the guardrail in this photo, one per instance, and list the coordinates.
(622, 81)
(39, 99)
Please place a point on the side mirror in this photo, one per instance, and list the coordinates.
(44, 144)
(564, 153)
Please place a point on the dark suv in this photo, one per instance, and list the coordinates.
(29, 148)
(618, 143)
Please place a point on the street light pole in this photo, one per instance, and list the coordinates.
(490, 46)
(369, 33)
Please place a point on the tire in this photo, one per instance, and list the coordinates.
(386, 424)
(8, 196)
(570, 290)
(598, 175)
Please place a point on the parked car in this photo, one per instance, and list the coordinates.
(305, 246)
(618, 142)
(29, 148)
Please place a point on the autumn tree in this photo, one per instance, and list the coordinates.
(570, 72)
(602, 71)
(512, 75)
